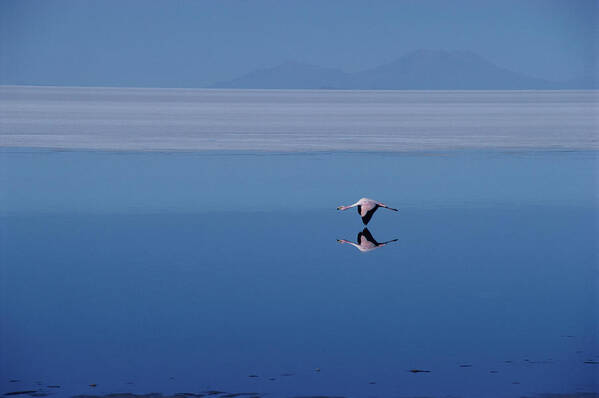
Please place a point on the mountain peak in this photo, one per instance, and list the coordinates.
(416, 70)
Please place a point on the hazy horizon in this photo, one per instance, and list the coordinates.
(422, 69)
(196, 44)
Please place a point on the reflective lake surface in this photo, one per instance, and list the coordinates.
(188, 272)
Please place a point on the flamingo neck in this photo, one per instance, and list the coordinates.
(350, 243)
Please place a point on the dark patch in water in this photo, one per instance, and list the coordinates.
(592, 362)
(53, 386)
(28, 392)
(466, 366)
(419, 371)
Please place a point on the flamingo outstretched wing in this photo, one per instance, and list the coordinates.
(368, 236)
(367, 215)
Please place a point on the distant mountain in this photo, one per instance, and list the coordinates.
(290, 75)
(445, 70)
(418, 70)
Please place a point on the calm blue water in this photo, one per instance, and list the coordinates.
(183, 272)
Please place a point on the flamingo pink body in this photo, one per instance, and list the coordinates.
(366, 208)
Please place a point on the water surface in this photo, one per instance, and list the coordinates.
(185, 272)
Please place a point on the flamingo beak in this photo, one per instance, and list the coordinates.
(339, 208)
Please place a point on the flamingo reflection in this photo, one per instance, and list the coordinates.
(365, 241)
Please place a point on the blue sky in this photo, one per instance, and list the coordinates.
(194, 43)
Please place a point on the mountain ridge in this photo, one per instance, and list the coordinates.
(416, 70)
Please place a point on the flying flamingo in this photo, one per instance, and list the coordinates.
(365, 241)
(366, 208)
